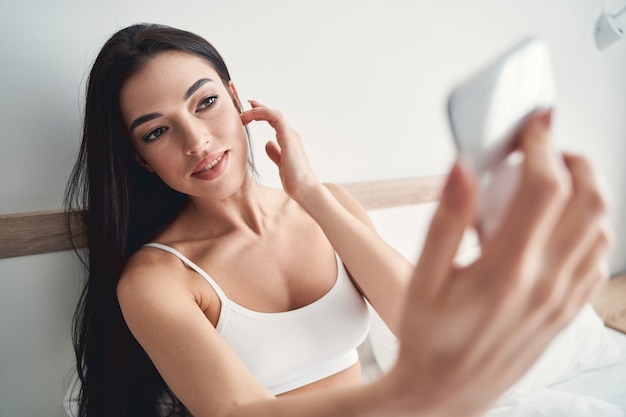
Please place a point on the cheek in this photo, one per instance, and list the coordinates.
(163, 162)
(233, 128)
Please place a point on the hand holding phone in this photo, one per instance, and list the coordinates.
(487, 111)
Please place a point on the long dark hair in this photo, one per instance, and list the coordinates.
(115, 199)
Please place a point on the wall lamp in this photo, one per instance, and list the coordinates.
(609, 29)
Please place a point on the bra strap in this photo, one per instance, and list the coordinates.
(193, 266)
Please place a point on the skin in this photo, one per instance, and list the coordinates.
(465, 332)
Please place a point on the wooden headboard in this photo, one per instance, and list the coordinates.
(46, 231)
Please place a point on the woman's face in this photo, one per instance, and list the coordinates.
(185, 125)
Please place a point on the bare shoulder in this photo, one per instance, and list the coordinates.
(349, 202)
(162, 314)
(151, 274)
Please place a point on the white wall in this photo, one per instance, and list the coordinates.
(364, 83)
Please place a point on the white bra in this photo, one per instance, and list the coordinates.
(291, 349)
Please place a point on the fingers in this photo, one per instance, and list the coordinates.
(575, 256)
(539, 326)
(542, 192)
(454, 214)
(572, 267)
(581, 220)
(287, 152)
(260, 112)
(591, 272)
(257, 112)
(273, 151)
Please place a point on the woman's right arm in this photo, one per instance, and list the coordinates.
(466, 334)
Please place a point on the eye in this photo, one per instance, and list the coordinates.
(155, 134)
(207, 102)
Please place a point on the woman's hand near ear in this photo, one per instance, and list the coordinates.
(287, 152)
(468, 333)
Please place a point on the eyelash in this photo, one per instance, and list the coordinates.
(205, 104)
(160, 130)
(212, 100)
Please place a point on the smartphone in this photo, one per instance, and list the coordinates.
(485, 113)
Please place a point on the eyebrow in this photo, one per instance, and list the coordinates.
(195, 87)
(143, 119)
(146, 118)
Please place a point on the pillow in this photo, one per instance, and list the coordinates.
(583, 344)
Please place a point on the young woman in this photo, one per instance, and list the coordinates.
(211, 293)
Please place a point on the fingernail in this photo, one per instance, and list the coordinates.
(453, 190)
(544, 117)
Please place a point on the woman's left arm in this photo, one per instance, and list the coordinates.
(380, 272)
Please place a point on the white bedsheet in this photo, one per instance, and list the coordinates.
(596, 392)
(595, 389)
(547, 402)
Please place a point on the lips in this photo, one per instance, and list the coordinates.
(211, 167)
(208, 163)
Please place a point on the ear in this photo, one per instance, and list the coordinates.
(235, 95)
(143, 162)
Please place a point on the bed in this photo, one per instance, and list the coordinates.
(582, 373)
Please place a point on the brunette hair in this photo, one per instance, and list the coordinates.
(116, 199)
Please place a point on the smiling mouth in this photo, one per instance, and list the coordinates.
(210, 165)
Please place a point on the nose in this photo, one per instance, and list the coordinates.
(195, 135)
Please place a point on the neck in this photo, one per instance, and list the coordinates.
(247, 209)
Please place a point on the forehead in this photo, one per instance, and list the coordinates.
(166, 76)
